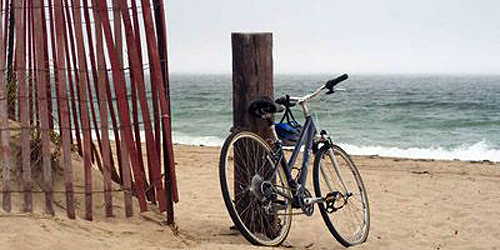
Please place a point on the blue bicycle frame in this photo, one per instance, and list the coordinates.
(306, 138)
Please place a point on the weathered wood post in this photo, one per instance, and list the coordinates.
(252, 76)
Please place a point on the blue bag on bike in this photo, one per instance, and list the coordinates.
(288, 129)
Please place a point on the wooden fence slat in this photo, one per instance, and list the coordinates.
(44, 112)
(117, 23)
(150, 140)
(74, 84)
(90, 101)
(100, 89)
(119, 52)
(6, 27)
(123, 110)
(56, 65)
(36, 114)
(104, 117)
(63, 107)
(169, 169)
(156, 78)
(121, 148)
(46, 67)
(116, 133)
(87, 143)
(23, 108)
(30, 64)
(95, 78)
(4, 129)
(137, 34)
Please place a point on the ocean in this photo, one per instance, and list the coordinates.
(444, 117)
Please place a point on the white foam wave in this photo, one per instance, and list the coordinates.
(197, 140)
(474, 152)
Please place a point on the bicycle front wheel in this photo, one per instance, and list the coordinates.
(345, 210)
(254, 188)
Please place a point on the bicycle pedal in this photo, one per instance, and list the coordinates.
(313, 200)
(331, 196)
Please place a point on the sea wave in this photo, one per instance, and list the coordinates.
(482, 150)
(182, 138)
(471, 152)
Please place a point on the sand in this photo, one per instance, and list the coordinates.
(415, 204)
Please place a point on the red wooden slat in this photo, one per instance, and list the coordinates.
(156, 105)
(121, 147)
(151, 192)
(48, 93)
(100, 88)
(150, 140)
(23, 108)
(90, 100)
(30, 65)
(123, 110)
(104, 116)
(74, 85)
(6, 26)
(63, 106)
(156, 78)
(4, 131)
(137, 132)
(119, 53)
(169, 168)
(54, 58)
(34, 90)
(44, 112)
(114, 124)
(87, 143)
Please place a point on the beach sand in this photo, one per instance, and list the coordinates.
(415, 204)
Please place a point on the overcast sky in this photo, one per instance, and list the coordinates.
(333, 36)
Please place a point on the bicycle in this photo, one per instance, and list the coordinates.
(261, 195)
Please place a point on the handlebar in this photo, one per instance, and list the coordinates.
(330, 84)
(291, 101)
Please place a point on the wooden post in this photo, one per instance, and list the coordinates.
(252, 76)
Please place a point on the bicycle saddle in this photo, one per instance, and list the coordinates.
(263, 107)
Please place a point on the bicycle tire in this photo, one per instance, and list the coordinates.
(241, 151)
(347, 169)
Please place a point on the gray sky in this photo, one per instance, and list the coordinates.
(333, 36)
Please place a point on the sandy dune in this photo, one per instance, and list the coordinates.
(414, 205)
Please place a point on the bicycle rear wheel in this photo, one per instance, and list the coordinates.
(346, 210)
(250, 189)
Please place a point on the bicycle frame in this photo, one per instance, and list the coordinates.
(306, 138)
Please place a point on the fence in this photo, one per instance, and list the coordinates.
(89, 78)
